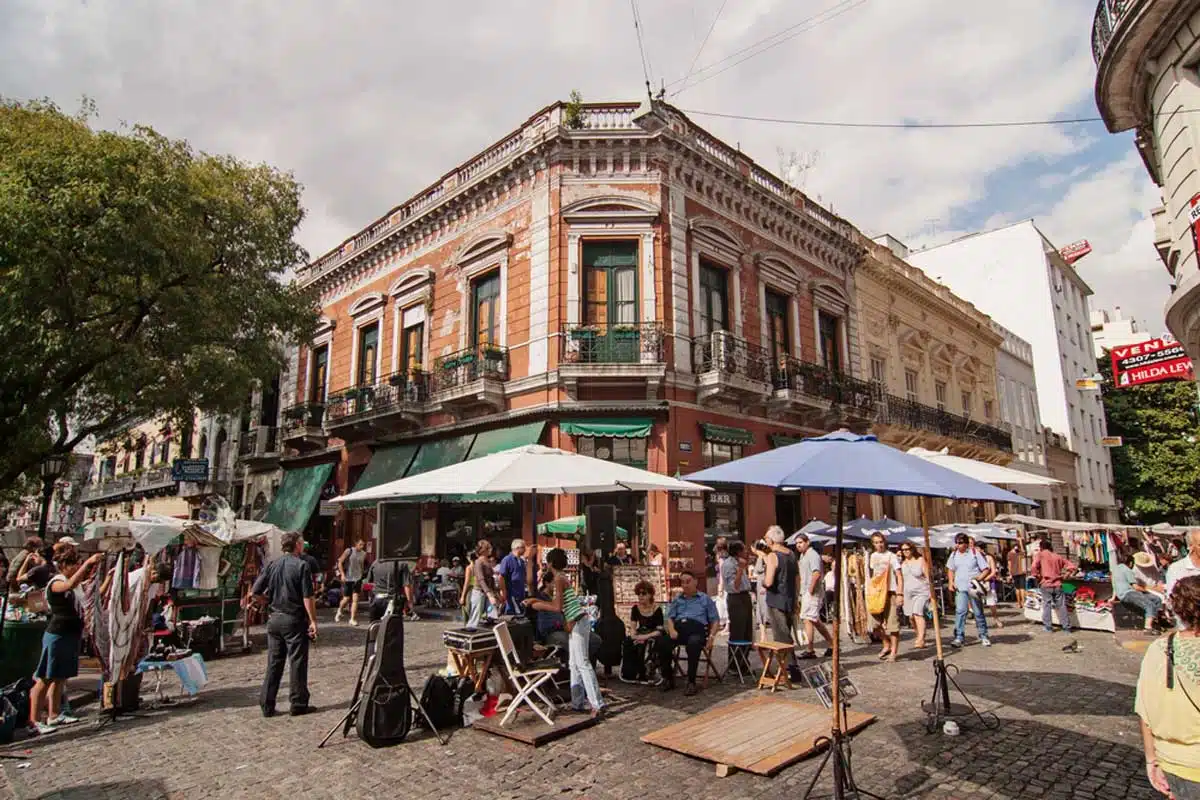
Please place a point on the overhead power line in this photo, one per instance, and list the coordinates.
(1025, 123)
(770, 42)
(637, 29)
(704, 41)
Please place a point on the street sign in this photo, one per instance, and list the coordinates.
(191, 470)
(1075, 251)
(1087, 384)
(327, 509)
(1111, 441)
(1149, 362)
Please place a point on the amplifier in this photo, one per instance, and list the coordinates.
(469, 641)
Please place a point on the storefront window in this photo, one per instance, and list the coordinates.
(720, 453)
(618, 449)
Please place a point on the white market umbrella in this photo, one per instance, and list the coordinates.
(528, 469)
(982, 470)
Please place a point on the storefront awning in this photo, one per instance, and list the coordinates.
(387, 464)
(725, 434)
(617, 428)
(494, 441)
(783, 439)
(297, 497)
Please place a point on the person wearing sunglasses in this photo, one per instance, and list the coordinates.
(646, 625)
(916, 590)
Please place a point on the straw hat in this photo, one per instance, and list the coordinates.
(1143, 559)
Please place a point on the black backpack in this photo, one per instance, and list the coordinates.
(443, 698)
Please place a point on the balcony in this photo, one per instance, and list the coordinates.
(731, 370)
(837, 398)
(397, 399)
(470, 379)
(139, 484)
(258, 445)
(613, 354)
(1125, 34)
(908, 419)
(303, 426)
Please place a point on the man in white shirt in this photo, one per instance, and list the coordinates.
(812, 594)
(1186, 566)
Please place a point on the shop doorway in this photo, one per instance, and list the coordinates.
(789, 511)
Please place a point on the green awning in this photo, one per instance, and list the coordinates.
(783, 439)
(435, 455)
(572, 526)
(726, 434)
(618, 428)
(494, 441)
(297, 497)
(387, 464)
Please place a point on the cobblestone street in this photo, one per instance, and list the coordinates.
(1067, 731)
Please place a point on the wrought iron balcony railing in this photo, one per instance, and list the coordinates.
(399, 390)
(1109, 15)
(482, 362)
(815, 380)
(302, 416)
(611, 343)
(918, 416)
(258, 441)
(721, 351)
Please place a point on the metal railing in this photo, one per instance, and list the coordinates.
(145, 481)
(911, 414)
(721, 351)
(302, 416)
(815, 380)
(258, 441)
(613, 343)
(399, 390)
(1109, 14)
(482, 362)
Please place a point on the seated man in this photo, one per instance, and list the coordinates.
(692, 621)
(1129, 589)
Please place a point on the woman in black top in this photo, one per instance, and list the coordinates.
(646, 619)
(60, 642)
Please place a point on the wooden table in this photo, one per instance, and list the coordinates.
(777, 654)
(474, 664)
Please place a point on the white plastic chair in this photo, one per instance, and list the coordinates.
(527, 682)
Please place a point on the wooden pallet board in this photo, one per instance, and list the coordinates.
(529, 728)
(761, 735)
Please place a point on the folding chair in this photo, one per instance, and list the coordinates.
(527, 682)
(706, 662)
(739, 660)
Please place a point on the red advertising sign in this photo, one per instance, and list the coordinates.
(1075, 251)
(1194, 218)
(1151, 361)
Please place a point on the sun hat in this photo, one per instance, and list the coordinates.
(1143, 559)
(68, 540)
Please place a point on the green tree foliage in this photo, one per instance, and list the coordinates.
(138, 278)
(1157, 468)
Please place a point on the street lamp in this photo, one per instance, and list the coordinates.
(51, 470)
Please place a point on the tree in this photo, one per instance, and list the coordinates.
(1156, 470)
(138, 278)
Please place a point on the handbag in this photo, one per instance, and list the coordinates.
(877, 591)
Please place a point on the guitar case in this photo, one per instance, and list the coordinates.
(610, 628)
(385, 714)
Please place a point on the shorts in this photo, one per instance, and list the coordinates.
(60, 657)
(810, 606)
(781, 626)
(991, 600)
(351, 587)
(915, 604)
(889, 620)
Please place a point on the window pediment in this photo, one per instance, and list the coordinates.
(325, 325)
(717, 234)
(611, 208)
(829, 295)
(411, 280)
(483, 246)
(367, 303)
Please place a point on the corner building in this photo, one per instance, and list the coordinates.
(609, 279)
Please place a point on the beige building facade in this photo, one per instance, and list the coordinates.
(131, 474)
(932, 356)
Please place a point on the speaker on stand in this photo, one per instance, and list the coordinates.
(602, 529)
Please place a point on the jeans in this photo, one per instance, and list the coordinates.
(1150, 604)
(963, 601)
(287, 642)
(584, 685)
(1182, 788)
(1053, 597)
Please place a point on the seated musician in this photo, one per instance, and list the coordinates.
(692, 621)
(550, 627)
(646, 623)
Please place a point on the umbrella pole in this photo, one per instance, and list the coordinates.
(839, 748)
(939, 709)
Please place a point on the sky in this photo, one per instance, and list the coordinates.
(368, 102)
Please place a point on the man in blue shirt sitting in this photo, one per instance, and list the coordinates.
(963, 566)
(517, 572)
(692, 621)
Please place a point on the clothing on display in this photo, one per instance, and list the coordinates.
(209, 567)
(186, 574)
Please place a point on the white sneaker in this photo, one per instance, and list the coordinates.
(986, 642)
(338, 616)
(353, 622)
(44, 729)
(64, 719)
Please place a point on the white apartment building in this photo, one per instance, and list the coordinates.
(1016, 276)
(1113, 329)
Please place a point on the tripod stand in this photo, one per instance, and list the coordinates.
(838, 752)
(346, 723)
(939, 708)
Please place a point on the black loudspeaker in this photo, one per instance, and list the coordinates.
(602, 528)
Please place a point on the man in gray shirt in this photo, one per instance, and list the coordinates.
(286, 587)
(351, 568)
(812, 593)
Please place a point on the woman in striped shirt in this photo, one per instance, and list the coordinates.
(584, 686)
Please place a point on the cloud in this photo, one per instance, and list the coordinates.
(369, 102)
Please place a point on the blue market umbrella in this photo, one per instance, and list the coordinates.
(812, 528)
(849, 462)
(865, 527)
